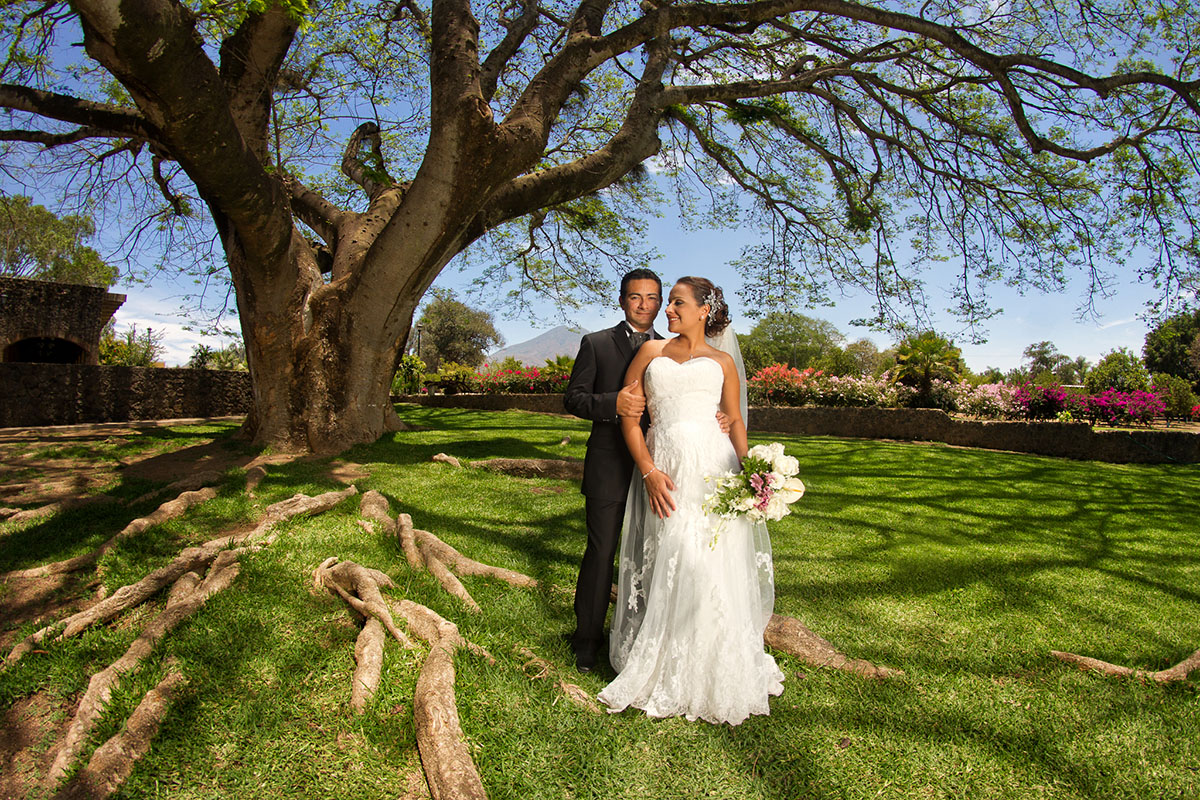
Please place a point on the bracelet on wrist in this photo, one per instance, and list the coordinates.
(648, 474)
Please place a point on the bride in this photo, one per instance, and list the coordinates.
(693, 599)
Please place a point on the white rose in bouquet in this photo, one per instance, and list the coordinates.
(786, 465)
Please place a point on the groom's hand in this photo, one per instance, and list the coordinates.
(630, 404)
(723, 421)
(659, 487)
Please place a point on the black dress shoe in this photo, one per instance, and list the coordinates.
(585, 660)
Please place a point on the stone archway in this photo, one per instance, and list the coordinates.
(46, 350)
(57, 323)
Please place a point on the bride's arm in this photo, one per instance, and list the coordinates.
(658, 484)
(731, 406)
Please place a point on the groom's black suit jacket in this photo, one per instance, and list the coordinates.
(598, 376)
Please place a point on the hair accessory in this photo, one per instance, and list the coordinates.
(710, 300)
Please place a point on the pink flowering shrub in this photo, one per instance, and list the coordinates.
(1041, 402)
(1196, 412)
(988, 400)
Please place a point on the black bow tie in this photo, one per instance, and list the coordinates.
(636, 339)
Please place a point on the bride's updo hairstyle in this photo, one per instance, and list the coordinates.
(708, 293)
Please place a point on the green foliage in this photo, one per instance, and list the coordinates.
(230, 357)
(787, 338)
(507, 363)
(453, 378)
(1119, 369)
(452, 331)
(410, 375)
(1177, 395)
(130, 348)
(924, 357)
(561, 364)
(34, 243)
(1169, 347)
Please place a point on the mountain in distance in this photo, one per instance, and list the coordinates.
(536, 351)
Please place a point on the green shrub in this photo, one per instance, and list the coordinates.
(410, 373)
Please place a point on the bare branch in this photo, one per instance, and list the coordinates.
(418, 15)
(66, 108)
(498, 59)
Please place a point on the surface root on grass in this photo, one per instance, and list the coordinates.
(557, 468)
(576, 695)
(60, 506)
(192, 559)
(792, 637)
(360, 587)
(113, 761)
(1173, 674)
(166, 511)
(187, 596)
(449, 768)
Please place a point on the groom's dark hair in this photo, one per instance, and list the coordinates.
(639, 274)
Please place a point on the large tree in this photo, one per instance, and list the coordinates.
(37, 244)
(1024, 142)
(1169, 345)
(786, 338)
(453, 331)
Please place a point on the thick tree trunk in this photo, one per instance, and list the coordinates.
(321, 355)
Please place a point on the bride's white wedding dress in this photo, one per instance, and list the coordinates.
(687, 633)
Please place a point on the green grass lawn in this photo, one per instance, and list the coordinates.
(961, 567)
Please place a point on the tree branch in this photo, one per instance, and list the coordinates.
(634, 142)
(498, 59)
(317, 213)
(373, 178)
(251, 58)
(97, 117)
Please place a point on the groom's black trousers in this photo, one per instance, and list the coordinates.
(594, 588)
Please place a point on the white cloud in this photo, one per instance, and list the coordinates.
(177, 341)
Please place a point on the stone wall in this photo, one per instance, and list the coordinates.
(1067, 439)
(64, 394)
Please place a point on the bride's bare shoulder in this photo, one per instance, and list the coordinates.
(720, 356)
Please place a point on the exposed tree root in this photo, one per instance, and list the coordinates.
(445, 577)
(172, 508)
(431, 626)
(6, 512)
(469, 566)
(1179, 672)
(192, 559)
(534, 467)
(187, 596)
(576, 695)
(449, 768)
(113, 761)
(445, 459)
(360, 588)
(791, 636)
(375, 506)
(408, 541)
(60, 506)
(191, 483)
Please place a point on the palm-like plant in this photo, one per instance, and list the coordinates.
(921, 358)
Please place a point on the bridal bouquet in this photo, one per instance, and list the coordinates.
(764, 489)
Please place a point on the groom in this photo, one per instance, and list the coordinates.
(595, 392)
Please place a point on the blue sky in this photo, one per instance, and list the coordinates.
(1026, 319)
